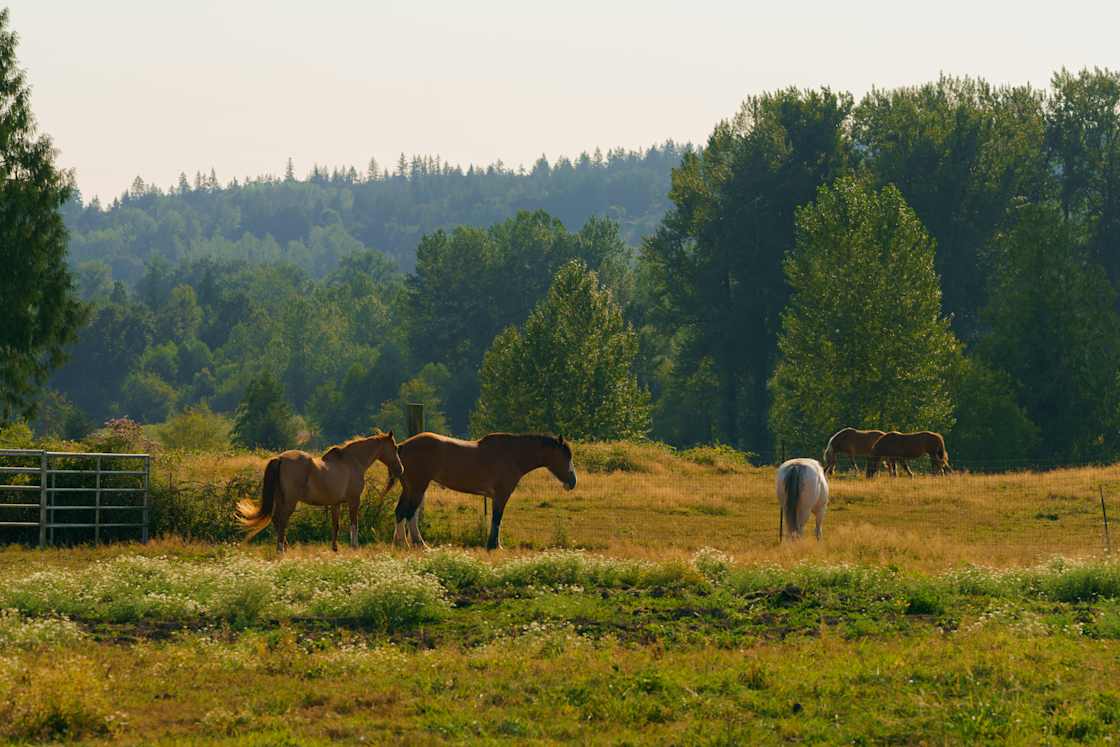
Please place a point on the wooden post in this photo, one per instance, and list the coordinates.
(1104, 513)
(415, 418)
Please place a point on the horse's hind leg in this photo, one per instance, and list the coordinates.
(280, 517)
(906, 466)
(334, 527)
(819, 512)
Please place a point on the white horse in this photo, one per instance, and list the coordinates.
(802, 488)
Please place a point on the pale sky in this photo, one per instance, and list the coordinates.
(152, 87)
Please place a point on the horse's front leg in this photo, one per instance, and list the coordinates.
(352, 512)
(494, 541)
(414, 526)
(906, 466)
(334, 527)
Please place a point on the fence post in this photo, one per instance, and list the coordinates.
(97, 506)
(147, 500)
(42, 499)
(1104, 513)
(415, 418)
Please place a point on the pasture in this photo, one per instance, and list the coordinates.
(652, 604)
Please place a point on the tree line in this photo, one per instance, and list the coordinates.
(940, 256)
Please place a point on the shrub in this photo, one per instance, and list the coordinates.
(196, 429)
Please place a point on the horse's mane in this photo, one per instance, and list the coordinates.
(544, 439)
(338, 450)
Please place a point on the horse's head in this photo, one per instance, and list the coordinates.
(559, 462)
(389, 455)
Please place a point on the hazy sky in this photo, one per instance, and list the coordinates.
(128, 87)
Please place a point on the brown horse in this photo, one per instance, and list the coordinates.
(491, 466)
(851, 442)
(337, 477)
(903, 446)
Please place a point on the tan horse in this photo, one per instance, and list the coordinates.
(851, 442)
(335, 478)
(903, 446)
(491, 466)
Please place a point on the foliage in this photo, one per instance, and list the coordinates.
(315, 222)
(715, 261)
(992, 430)
(264, 419)
(120, 436)
(1055, 330)
(465, 290)
(426, 388)
(147, 397)
(961, 151)
(42, 312)
(196, 429)
(863, 341)
(569, 371)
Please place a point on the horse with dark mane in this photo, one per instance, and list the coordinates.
(903, 446)
(491, 466)
(852, 442)
(335, 478)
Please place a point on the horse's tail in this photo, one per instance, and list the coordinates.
(255, 518)
(793, 495)
(829, 457)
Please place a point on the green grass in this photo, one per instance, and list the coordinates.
(216, 644)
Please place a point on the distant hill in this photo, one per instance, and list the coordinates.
(315, 221)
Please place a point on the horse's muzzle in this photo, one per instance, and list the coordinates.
(570, 483)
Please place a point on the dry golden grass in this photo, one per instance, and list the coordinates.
(662, 506)
(645, 501)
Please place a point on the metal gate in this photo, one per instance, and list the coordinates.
(66, 494)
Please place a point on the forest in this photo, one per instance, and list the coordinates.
(943, 256)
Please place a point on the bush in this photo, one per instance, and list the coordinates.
(120, 436)
(196, 429)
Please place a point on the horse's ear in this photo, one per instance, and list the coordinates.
(391, 433)
(561, 438)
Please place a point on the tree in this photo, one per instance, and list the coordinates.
(147, 398)
(1055, 331)
(717, 256)
(569, 371)
(426, 388)
(961, 152)
(42, 312)
(863, 342)
(472, 283)
(264, 418)
(1083, 141)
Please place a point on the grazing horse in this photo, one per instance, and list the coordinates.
(851, 442)
(802, 489)
(903, 446)
(337, 477)
(491, 466)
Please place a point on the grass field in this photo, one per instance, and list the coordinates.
(646, 501)
(653, 604)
